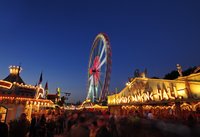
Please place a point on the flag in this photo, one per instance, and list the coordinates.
(40, 80)
(58, 91)
(18, 70)
(46, 88)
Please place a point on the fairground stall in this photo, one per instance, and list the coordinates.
(166, 99)
(90, 106)
(17, 97)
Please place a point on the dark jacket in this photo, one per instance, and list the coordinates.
(103, 132)
(3, 129)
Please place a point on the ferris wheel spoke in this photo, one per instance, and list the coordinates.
(95, 52)
(89, 90)
(91, 87)
(99, 49)
(93, 60)
(101, 87)
(90, 78)
(91, 81)
(102, 51)
(102, 63)
(93, 57)
(100, 84)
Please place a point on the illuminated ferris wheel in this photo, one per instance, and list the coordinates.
(99, 69)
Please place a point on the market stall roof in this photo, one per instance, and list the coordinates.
(14, 78)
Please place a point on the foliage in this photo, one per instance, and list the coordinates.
(155, 77)
(62, 101)
(174, 74)
(189, 71)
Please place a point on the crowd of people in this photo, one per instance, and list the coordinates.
(40, 125)
(95, 124)
(3, 128)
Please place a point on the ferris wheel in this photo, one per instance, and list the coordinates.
(99, 69)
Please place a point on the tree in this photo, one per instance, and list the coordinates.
(155, 77)
(174, 74)
(62, 101)
(189, 71)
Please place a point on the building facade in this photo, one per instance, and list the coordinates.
(166, 98)
(17, 97)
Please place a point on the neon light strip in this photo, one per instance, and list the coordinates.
(5, 84)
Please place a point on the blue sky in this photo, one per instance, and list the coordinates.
(56, 36)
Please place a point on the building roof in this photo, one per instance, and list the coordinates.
(13, 85)
(52, 96)
(155, 91)
(14, 78)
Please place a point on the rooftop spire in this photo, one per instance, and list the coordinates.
(15, 70)
(14, 75)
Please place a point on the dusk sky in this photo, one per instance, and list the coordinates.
(56, 36)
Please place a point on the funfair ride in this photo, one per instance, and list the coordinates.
(99, 69)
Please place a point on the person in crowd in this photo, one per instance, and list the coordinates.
(112, 127)
(57, 124)
(80, 129)
(191, 121)
(24, 126)
(150, 115)
(72, 120)
(42, 126)
(61, 121)
(32, 132)
(3, 128)
(93, 128)
(50, 126)
(102, 129)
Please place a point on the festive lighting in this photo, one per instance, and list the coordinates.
(26, 101)
(156, 91)
(5, 84)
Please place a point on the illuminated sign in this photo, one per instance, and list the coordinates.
(155, 90)
(5, 84)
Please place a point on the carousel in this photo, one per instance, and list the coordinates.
(17, 97)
